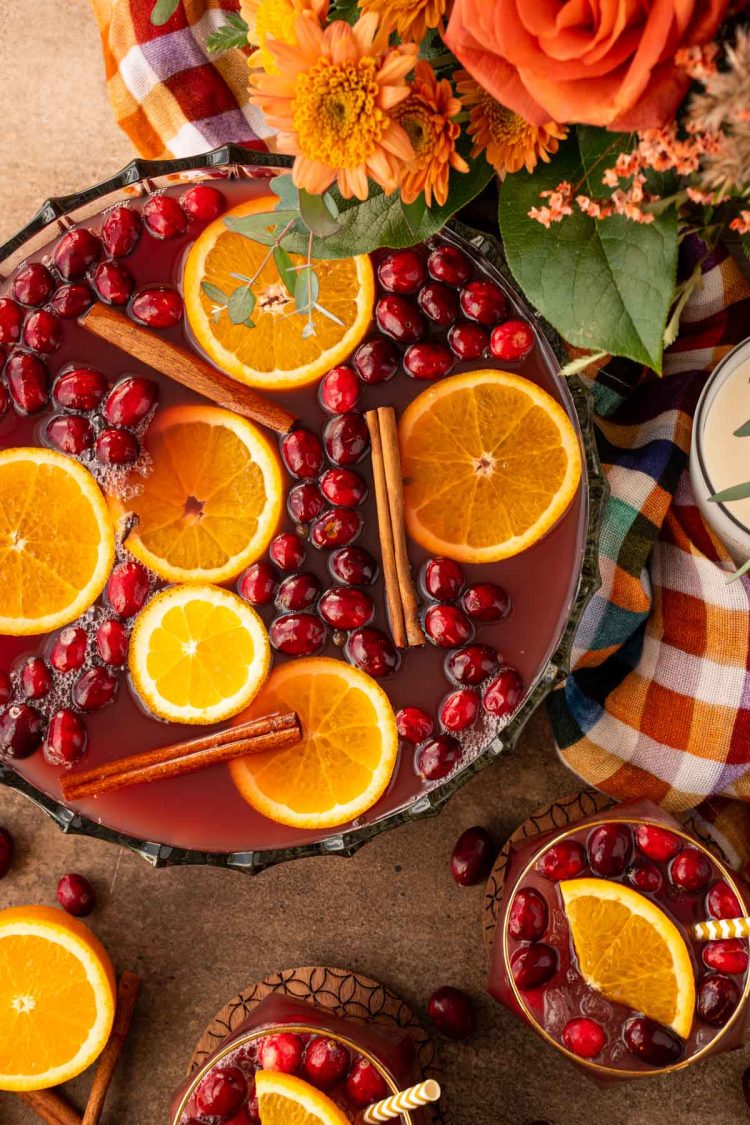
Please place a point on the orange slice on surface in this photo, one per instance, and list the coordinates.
(198, 654)
(56, 540)
(57, 997)
(212, 499)
(347, 754)
(284, 1099)
(275, 353)
(490, 462)
(630, 951)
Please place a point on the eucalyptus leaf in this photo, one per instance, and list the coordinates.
(331, 204)
(163, 10)
(739, 572)
(743, 431)
(283, 186)
(735, 492)
(285, 267)
(263, 228)
(214, 293)
(315, 215)
(306, 289)
(308, 330)
(241, 304)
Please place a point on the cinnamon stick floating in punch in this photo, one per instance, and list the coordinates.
(127, 994)
(385, 533)
(269, 733)
(180, 364)
(50, 1107)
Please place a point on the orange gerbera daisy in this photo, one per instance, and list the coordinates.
(426, 117)
(332, 101)
(410, 19)
(508, 140)
(274, 19)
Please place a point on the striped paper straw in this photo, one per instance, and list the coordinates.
(394, 1106)
(726, 928)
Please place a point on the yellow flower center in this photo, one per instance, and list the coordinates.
(334, 112)
(274, 19)
(505, 126)
(416, 120)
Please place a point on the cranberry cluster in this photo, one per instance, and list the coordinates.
(94, 419)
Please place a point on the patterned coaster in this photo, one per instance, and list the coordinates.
(344, 992)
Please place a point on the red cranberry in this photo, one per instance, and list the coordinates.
(430, 360)
(70, 433)
(400, 319)
(343, 487)
(512, 340)
(305, 502)
(452, 1012)
(346, 608)
(652, 1043)
(299, 591)
(483, 301)
(346, 438)
(473, 856)
(326, 1062)
(113, 283)
(116, 447)
(69, 650)
(690, 870)
(121, 230)
(439, 303)
(503, 693)
(42, 332)
(6, 688)
(376, 361)
(373, 652)
(298, 634)
(447, 626)
(302, 453)
(443, 579)
(11, 321)
(70, 301)
(32, 285)
(468, 341)
(203, 203)
(401, 271)
(94, 689)
(562, 861)
(646, 877)
(718, 996)
(75, 252)
(281, 1052)
(448, 264)
(36, 678)
(437, 757)
(76, 895)
(112, 643)
(609, 848)
(163, 216)
(414, 724)
(722, 902)
(127, 588)
(21, 730)
(728, 956)
(130, 401)
(26, 377)
(533, 965)
(657, 843)
(335, 528)
(484, 601)
(66, 739)
(287, 551)
(7, 850)
(354, 566)
(157, 307)
(528, 916)
(584, 1037)
(365, 1085)
(339, 390)
(80, 388)
(224, 1089)
(459, 710)
(257, 584)
(471, 665)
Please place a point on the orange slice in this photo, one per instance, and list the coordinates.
(212, 500)
(198, 654)
(277, 353)
(630, 951)
(57, 997)
(490, 463)
(347, 754)
(56, 541)
(284, 1099)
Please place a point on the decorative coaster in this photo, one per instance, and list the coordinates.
(342, 991)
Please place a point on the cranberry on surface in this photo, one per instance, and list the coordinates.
(343, 487)
(304, 502)
(127, 588)
(163, 216)
(80, 388)
(336, 527)
(11, 321)
(503, 693)
(657, 843)
(298, 591)
(609, 847)
(75, 252)
(131, 400)
(224, 1089)
(400, 319)
(112, 643)
(346, 608)
(373, 652)
(584, 1037)
(7, 850)
(449, 264)
(442, 579)
(354, 566)
(298, 634)
(437, 758)
(32, 285)
(76, 895)
(414, 724)
(533, 965)
(42, 332)
(646, 877)
(115, 446)
(157, 307)
(346, 438)
(376, 360)
(472, 857)
(401, 271)
(364, 1084)
(287, 550)
(339, 390)
(21, 730)
(483, 301)
(468, 340)
(428, 360)
(562, 861)
(113, 283)
(447, 626)
(35, 678)
(27, 381)
(718, 996)
(439, 303)
(203, 203)
(121, 230)
(452, 1012)
(302, 453)
(70, 433)
(66, 739)
(281, 1051)
(528, 916)
(728, 956)
(459, 710)
(651, 1042)
(257, 584)
(326, 1062)
(691, 870)
(70, 301)
(722, 902)
(471, 665)
(512, 340)
(68, 651)
(94, 689)
(485, 601)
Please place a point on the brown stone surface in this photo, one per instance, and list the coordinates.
(196, 935)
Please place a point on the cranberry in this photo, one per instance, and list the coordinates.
(203, 203)
(163, 216)
(130, 401)
(21, 730)
(609, 848)
(157, 307)
(75, 252)
(376, 361)
(353, 565)
(127, 588)
(80, 388)
(94, 689)
(447, 626)
(113, 283)
(343, 487)
(304, 502)
(472, 857)
(728, 956)
(401, 271)
(471, 665)
(690, 870)
(298, 634)
(533, 965)
(437, 757)
(339, 390)
(11, 321)
(722, 902)
(459, 710)
(528, 916)
(503, 693)
(257, 584)
(468, 341)
(70, 433)
(562, 861)
(121, 230)
(302, 453)
(443, 579)
(652, 1043)
(6, 688)
(452, 1012)
(335, 527)
(26, 377)
(484, 601)
(439, 303)
(373, 652)
(346, 438)
(7, 850)
(584, 1037)
(282, 1052)
(718, 996)
(483, 301)
(448, 264)
(512, 340)
(364, 1084)
(346, 608)
(646, 877)
(76, 895)
(69, 650)
(70, 301)
(400, 319)
(116, 447)
(112, 643)
(35, 677)
(224, 1089)
(414, 724)
(42, 332)
(326, 1062)
(657, 843)
(299, 591)
(32, 285)
(66, 739)
(287, 550)
(431, 360)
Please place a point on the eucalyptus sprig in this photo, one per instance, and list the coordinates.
(736, 492)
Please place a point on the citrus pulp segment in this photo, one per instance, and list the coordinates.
(284, 1099)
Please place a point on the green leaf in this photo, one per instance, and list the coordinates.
(283, 186)
(414, 211)
(745, 244)
(345, 10)
(262, 228)
(739, 572)
(306, 289)
(605, 286)
(241, 304)
(574, 366)
(331, 204)
(163, 10)
(286, 268)
(735, 492)
(743, 431)
(315, 215)
(232, 34)
(214, 293)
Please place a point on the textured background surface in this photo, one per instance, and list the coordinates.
(198, 936)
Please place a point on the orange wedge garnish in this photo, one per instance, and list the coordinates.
(284, 1099)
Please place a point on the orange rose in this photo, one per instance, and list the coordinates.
(608, 63)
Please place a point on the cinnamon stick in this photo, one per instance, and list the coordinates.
(51, 1107)
(385, 533)
(127, 994)
(395, 482)
(180, 364)
(271, 732)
